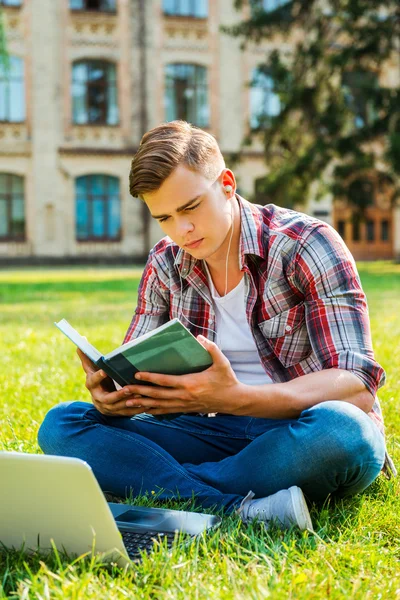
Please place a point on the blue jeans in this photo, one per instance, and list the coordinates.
(332, 448)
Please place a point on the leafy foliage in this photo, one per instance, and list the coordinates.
(337, 124)
(3, 49)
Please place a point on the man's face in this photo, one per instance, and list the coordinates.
(193, 211)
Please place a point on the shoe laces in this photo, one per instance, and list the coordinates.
(243, 509)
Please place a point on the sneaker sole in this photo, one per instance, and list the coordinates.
(300, 508)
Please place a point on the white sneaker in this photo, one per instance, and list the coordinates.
(287, 506)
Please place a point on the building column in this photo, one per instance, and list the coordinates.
(48, 233)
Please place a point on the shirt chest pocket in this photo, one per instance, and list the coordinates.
(287, 335)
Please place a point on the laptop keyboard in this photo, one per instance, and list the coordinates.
(135, 542)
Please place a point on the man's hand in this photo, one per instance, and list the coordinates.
(215, 390)
(105, 398)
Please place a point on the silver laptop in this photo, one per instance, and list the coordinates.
(56, 500)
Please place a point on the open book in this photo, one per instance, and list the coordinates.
(170, 349)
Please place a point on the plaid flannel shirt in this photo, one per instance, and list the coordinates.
(304, 301)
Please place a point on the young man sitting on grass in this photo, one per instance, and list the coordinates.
(289, 406)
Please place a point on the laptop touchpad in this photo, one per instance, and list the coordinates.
(140, 517)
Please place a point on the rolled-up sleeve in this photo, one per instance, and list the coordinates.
(336, 307)
(152, 305)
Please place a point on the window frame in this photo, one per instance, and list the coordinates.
(341, 228)
(7, 81)
(90, 198)
(261, 6)
(385, 229)
(355, 87)
(91, 63)
(190, 15)
(199, 89)
(2, 4)
(94, 10)
(8, 196)
(356, 237)
(370, 230)
(267, 91)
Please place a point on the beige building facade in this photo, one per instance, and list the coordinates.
(86, 79)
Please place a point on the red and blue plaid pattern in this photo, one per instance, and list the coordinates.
(304, 299)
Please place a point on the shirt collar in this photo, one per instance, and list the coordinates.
(252, 231)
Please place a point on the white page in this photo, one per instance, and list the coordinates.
(78, 340)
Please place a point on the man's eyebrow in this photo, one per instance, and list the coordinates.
(180, 208)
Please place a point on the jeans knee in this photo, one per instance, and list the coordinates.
(346, 433)
(52, 433)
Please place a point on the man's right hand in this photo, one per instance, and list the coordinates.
(105, 397)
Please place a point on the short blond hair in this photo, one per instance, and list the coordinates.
(165, 147)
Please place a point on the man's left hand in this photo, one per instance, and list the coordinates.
(215, 390)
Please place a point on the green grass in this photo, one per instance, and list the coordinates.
(355, 552)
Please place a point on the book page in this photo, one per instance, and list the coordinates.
(78, 340)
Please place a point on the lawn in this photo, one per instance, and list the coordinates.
(355, 551)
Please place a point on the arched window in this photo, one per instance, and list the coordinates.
(186, 94)
(186, 8)
(95, 5)
(94, 93)
(12, 210)
(98, 208)
(12, 90)
(264, 101)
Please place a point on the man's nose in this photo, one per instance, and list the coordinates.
(185, 226)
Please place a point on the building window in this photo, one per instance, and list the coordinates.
(12, 210)
(357, 89)
(98, 208)
(341, 228)
(264, 101)
(370, 225)
(356, 231)
(186, 8)
(12, 90)
(385, 231)
(10, 2)
(269, 6)
(186, 94)
(94, 93)
(94, 5)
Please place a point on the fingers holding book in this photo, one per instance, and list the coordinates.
(87, 365)
(104, 396)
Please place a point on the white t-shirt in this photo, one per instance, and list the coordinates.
(234, 337)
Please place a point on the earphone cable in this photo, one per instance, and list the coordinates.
(226, 284)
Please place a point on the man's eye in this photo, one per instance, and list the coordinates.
(163, 219)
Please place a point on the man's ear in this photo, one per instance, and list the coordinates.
(228, 178)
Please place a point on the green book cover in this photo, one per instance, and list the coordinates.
(170, 349)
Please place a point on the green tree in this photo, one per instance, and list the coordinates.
(335, 117)
(3, 47)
